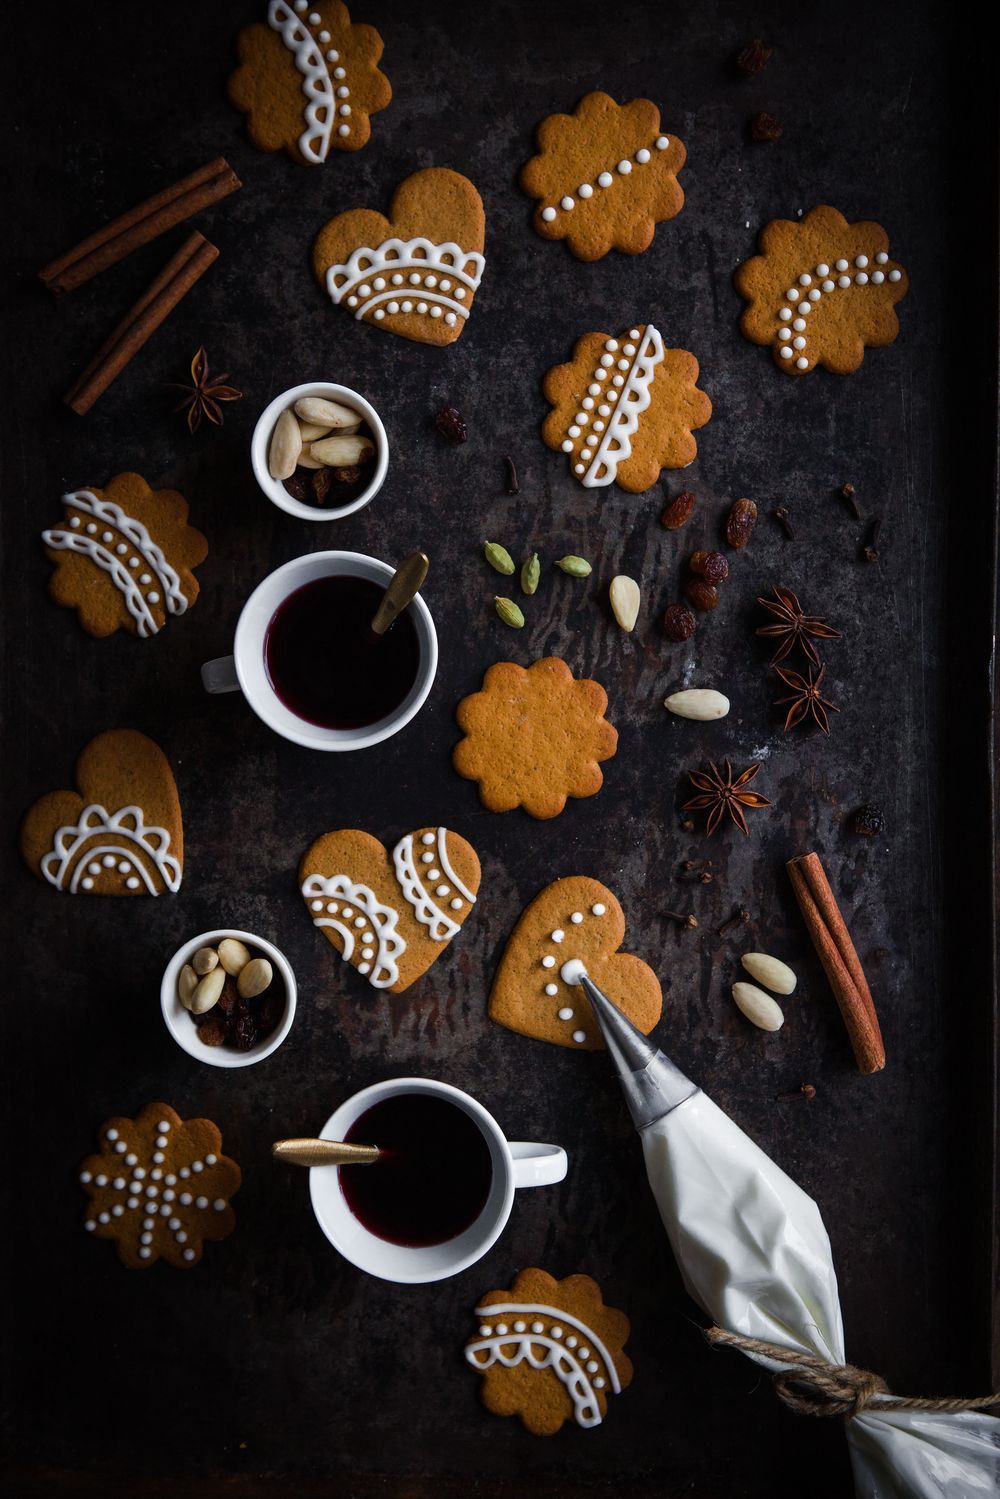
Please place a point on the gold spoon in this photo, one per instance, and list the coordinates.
(406, 581)
(324, 1153)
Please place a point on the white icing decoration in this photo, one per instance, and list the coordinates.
(384, 919)
(579, 1037)
(66, 540)
(615, 445)
(604, 179)
(565, 1013)
(465, 266)
(551, 989)
(501, 1347)
(314, 142)
(126, 825)
(860, 278)
(597, 909)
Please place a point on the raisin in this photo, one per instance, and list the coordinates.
(752, 57)
(320, 482)
(298, 485)
(740, 522)
(679, 623)
(678, 512)
(213, 1031)
(450, 424)
(765, 127)
(696, 562)
(242, 1030)
(714, 567)
(269, 1009)
(701, 594)
(345, 475)
(229, 996)
(868, 821)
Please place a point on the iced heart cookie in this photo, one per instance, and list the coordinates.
(120, 834)
(574, 918)
(821, 291)
(416, 272)
(550, 1351)
(124, 557)
(159, 1186)
(534, 738)
(308, 80)
(390, 915)
(604, 176)
(624, 408)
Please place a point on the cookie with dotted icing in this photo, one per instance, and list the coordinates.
(416, 272)
(579, 919)
(124, 557)
(604, 176)
(159, 1186)
(390, 915)
(534, 738)
(821, 291)
(308, 80)
(624, 408)
(120, 833)
(550, 1351)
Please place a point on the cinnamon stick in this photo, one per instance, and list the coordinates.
(141, 321)
(841, 964)
(140, 225)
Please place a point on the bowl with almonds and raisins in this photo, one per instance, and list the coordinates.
(319, 451)
(228, 998)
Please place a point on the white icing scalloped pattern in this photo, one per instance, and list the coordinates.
(314, 142)
(350, 281)
(512, 1348)
(616, 444)
(94, 820)
(384, 919)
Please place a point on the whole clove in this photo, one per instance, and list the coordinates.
(849, 496)
(738, 918)
(688, 922)
(782, 515)
(510, 482)
(869, 551)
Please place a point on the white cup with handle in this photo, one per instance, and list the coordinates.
(514, 1164)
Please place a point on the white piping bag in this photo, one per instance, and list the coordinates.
(754, 1254)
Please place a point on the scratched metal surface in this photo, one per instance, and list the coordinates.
(275, 1364)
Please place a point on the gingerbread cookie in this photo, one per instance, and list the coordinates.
(308, 80)
(574, 918)
(605, 176)
(534, 738)
(416, 272)
(625, 408)
(124, 556)
(121, 833)
(159, 1187)
(821, 291)
(550, 1351)
(390, 916)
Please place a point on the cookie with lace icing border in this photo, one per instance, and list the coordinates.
(124, 557)
(550, 1351)
(604, 176)
(159, 1187)
(821, 291)
(308, 80)
(120, 833)
(390, 915)
(416, 272)
(624, 408)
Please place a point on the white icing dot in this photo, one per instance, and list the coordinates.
(840, 265)
(315, 18)
(332, 908)
(345, 109)
(784, 333)
(364, 967)
(598, 909)
(881, 258)
(197, 1166)
(170, 1180)
(585, 454)
(579, 1037)
(585, 190)
(792, 294)
(799, 324)
(558, 934)
(815, 294)
(456, 904)
(152, 1190)
(623, 364)
(443, 890)
(91, 529)
(642, 156)
(421, 306)
(798, 343)
(185, 1199)
(574, 431)
(485, 1330)
(181, 1237)
(316, 905)
(145, 1253)
(618, 380)
(219, 1204)
(343, 129)
(159, 1158)
(862, 278)
(145, 578)
(339, 73)
(548, 961)
(571, 1341)
(805, 279)
(112, 1134)
(565, 1013)
(604, 409)
(605, 179)
(121, 549)
(185, 1171)
(460, 293)
(139, 1173)
(189, 1254)
(107, 536)
(630, 350)
(133, 882)
(579, 468)
(556, 1331)
(607, 360)
(450, 318)
(567, 445)
(593, 390)
(501, 1328)
(802, 364)
(662, 143)
(75, 521)
(829, 285)
(368, 952)
(598, 426)
(146, 1238)
(133, 1202)
(130, 1160)
(843, 281)
(861, 262)
(324, 37)
(822, 269)
(519, 1327)
(538, 1326)
(94, 868)
(567, 203)
(168, 1196)
(407, 306)
(598, 1383)
(611, 344)
(877, 278)
(124, 866)
(117, 1211)
(445, 286)
(552, 988)
(624, 167)
(133, 562)
(85, 1176)
(895, 275)
(548, 214)
(343, 92)
(201, 1202)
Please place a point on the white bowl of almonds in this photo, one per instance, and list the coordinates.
(228, 998)
(320, 451)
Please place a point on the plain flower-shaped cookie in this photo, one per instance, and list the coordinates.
(534, 738)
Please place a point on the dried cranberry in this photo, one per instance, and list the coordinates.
(765, 127)
(740, 522)
(678, 512)
(701, 594)
(715, 568)
(450, 424)
(752, 57)
(679, 623)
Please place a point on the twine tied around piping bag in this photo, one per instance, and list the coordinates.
(815, 1387)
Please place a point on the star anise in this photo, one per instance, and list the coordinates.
(794, 627)
(202, 396)
(724, 795)
(805, 699)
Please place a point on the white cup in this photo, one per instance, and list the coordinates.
(261, 441)
(245, 671)
(516, 1163)
(180, 1022)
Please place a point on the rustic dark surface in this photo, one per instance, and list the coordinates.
(275, 1366)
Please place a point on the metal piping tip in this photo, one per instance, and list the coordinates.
(652, 1084)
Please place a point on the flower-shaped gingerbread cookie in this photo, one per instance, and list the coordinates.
(308, 80)
(416, 272)
(624, 408)
(124, 556)
(534, 738)
(159, 1187)
(550, 1351)
(821, 291)
(605, 176)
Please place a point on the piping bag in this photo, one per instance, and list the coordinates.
(753, 1252)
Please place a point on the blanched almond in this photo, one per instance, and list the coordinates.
(187, 983)
(759, 1008)
(310, 432)
(233, 954)
(204, 960)
(285, 446)
(306, 460)
(770, 972)
(697, 702)
(341, 452)
(322, 413)
(254, 978)
(624, 596)
(207, 993)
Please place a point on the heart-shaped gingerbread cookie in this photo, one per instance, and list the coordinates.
(390, 915)
(571, 918)
(416, 272)
(121, 833)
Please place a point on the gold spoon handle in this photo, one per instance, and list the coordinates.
(323, 1153)
(405, 582)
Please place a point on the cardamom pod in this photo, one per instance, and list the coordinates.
(531, 572)
(509, 613)
(498, 557)
(577, 567)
